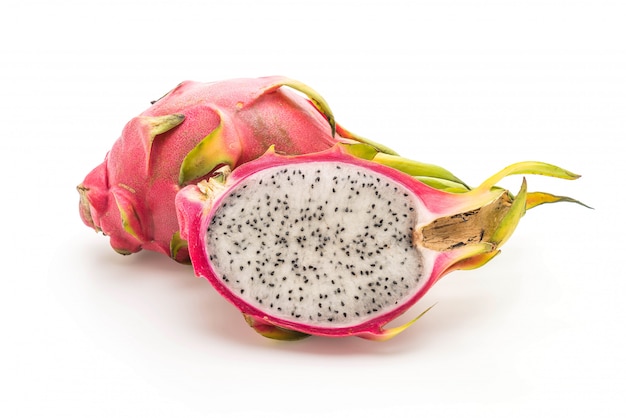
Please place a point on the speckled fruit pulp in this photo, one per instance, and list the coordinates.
(325, 243)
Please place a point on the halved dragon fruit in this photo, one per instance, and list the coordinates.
(184, 137)
(336, 245)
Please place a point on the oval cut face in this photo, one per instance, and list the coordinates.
(326, 244)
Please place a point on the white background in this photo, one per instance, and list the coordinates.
(469, 85)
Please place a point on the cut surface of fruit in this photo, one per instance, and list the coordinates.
(335, 245)
(330, 242)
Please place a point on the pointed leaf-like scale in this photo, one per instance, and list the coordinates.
(469, 256)
(94, 197)
(221, 147)
(511, 219)
(129, 217)
(161, 124)
(441, 184)
(137, 140)
(156, 125)
(178, 248)
(472, 263)
(317, 100)
(387, 334)
(534, 199)
(360, 150)
(529, 167)
(221, 224)
(85, 207)
(273, 332)
(417, 169)
(358, 138)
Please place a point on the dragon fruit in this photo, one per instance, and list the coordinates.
(335, 244)
(184, 137)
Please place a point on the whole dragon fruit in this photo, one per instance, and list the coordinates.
(188, 135)
(336, 245)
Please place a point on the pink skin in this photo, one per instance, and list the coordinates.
(130, 196)
(196, 205)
